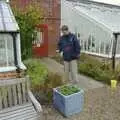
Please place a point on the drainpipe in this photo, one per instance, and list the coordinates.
(114, 50)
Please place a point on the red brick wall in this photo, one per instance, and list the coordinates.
(51, 13)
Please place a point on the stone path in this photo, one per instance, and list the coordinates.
(84, 82)
(101, 103)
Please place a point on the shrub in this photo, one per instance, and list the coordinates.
(92, 67)
(96, 69)
(44, 92)
(37, 71)
(42, 80)
(27, 20)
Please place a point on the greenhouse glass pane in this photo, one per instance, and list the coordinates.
(7, 19)
(6, 50)
(10, 50)
(3, 62)
(107, 49)
(102, 48)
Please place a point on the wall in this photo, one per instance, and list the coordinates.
(52, 16)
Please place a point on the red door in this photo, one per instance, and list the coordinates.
(40, 44)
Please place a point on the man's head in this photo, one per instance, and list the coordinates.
(65, 30)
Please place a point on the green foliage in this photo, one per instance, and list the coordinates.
(42, 80)
(96, 69)
(27, 21)
(37, 71)
(68, 90)
(53, 81)
(93, 67)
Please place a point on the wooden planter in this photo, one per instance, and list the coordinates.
(68, 105)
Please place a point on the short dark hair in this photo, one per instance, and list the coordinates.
(64, 27)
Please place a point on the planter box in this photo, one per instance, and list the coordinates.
(68, 105)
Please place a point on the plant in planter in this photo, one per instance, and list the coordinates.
(68, 99)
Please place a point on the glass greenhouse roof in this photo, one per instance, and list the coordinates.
(106, 16)
(7, 19)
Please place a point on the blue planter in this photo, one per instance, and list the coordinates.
(68, 105)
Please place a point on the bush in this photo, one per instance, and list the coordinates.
(27, 20)
(42, 80)
(37, 71)
(92, 67)
(44, 92)
(96, 69)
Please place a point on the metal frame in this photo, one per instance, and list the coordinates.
(114, 49)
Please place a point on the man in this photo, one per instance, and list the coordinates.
(69, 48)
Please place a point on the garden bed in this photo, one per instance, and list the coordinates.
(94, 68)
(42, 80)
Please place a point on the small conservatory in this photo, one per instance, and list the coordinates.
(10, 52)
(97, 25)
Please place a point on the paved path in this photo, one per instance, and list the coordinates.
(84, 82)
(100, 102)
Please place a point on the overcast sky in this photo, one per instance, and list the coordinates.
(116, 2)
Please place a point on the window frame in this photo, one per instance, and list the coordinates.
(15, 66)
(95, 53)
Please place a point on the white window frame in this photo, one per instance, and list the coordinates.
(39, 38)
(5, 39)
(99, 54)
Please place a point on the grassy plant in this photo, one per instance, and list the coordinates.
(96, 69)
(68, 90)
(37, 71)
(42, 80)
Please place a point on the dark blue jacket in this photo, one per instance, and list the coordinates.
(70, 47)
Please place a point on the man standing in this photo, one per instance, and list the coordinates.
(69, 48)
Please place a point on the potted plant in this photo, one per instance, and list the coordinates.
(68, 99)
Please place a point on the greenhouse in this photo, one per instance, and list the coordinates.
(97, 25)
(10, 53)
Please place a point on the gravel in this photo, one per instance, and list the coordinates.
(100, 104)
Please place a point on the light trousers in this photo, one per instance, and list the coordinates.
(71, 72)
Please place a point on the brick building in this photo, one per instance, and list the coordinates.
(51, 18)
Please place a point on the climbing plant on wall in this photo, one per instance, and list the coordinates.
(27, 20)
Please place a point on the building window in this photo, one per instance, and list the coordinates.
(6, 50)
(38, 39)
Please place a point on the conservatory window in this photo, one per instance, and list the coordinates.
(102, 48)
(6, 50)
(107, 49)
(39, 39)
(91, 44)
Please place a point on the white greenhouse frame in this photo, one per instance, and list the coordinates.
(99, 21)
